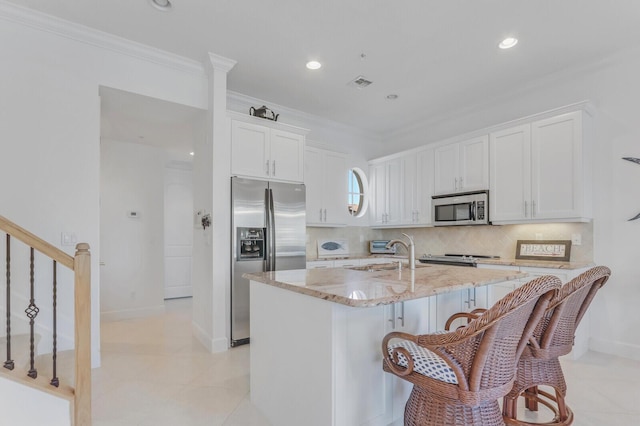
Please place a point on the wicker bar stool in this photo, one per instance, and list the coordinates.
(459, 376)
(539, 364)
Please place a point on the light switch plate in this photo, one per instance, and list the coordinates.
(68, 239)
(576, 239)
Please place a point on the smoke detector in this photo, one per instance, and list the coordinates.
(360, 82)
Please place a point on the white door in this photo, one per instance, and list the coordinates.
(178, 232)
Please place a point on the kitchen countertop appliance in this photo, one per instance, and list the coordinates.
(380, 247)
(469, 260)
(268, 223)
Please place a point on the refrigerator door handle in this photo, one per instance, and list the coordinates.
(267, 215)
(271, 233)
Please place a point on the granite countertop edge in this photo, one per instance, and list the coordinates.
(420, 290)
(549, 264)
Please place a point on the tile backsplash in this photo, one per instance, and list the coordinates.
(488, 240)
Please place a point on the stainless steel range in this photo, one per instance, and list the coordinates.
(470, 260)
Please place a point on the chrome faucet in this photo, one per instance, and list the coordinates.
(411, 249)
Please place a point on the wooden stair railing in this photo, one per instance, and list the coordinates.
(79, 393)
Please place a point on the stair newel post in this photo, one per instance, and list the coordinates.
(82, 399)
(8, 364)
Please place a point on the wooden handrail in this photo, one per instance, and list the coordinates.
(80, 394)
(37, 243)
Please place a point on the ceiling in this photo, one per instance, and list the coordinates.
(437, 56)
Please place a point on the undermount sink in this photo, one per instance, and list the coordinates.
(377, 267)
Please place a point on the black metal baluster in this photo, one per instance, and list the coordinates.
(55, 382)
(9, 362)
(32, 311)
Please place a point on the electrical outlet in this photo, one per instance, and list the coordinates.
(576, 239)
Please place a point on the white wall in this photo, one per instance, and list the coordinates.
(50, 123)
(18, 402)
(132, 250)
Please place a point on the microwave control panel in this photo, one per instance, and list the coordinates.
(480, 210)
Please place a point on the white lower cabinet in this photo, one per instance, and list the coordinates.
(464, 300)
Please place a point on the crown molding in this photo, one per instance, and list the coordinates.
(221, 63)
(51, 24)
(243, 102)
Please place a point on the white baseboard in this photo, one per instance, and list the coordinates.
(211, 344)
(621, 349)
(131, 313)
(220, 345)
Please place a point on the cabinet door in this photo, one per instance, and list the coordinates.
(424, 186)
(335, 189)
(287, 156)
(409, 189)
(249, 149)
(448, 304)
(446, 160)
(556, 167)
(510, 182)
(474, 164)
(394, 192)
(412, 317)
(314, 181)
(377, 188)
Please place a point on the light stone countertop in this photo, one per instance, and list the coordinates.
(380, 287)
(536, 263)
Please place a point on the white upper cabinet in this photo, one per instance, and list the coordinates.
(539, 171)
(417, 185)
(266, 152)
(510, 188)
(386, 193)
(326, 181)
(462, 166)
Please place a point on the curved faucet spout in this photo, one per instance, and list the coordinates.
(409, 247)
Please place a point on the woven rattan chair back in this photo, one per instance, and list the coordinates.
(483, 355)
(553, 337)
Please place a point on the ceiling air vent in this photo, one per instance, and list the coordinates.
(360, 82)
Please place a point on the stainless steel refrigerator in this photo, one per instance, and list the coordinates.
(268, 226)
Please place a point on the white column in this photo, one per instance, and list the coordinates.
(211, 259)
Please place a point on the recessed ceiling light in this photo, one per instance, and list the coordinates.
(192, 153)
(163, 5)
(392, 97)
(508, 43)
(314, 65)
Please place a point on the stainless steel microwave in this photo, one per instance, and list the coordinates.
(468, 208)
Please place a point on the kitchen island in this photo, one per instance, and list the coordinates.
(316, 334)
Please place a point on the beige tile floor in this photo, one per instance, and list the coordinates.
(155, 373)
